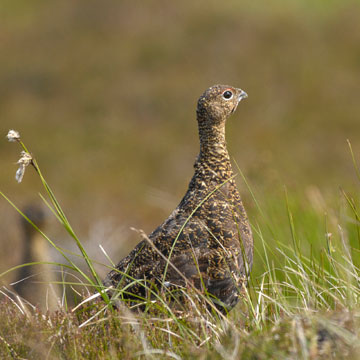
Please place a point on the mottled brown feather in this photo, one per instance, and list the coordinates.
(214, 244)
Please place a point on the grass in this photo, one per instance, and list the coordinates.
(304, 303)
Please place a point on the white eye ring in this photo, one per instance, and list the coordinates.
(227, 94)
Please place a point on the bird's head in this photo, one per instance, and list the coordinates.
(217, 103)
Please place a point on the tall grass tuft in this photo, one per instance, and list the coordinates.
(52, 203)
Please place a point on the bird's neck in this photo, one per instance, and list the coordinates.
(35, 247)
(213, 150)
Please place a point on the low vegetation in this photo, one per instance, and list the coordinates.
(303, 304)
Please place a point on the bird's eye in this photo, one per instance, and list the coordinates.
(227, 95)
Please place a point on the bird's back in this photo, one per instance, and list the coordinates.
(207, 239)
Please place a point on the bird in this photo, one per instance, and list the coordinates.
(207, 240)
(36, 283)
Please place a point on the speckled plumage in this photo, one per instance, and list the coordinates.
(213, 241)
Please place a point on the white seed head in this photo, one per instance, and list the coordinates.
(23, 162)
(20, 173)
(25, 158)
(13, 135)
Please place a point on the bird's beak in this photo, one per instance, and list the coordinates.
(242, 95)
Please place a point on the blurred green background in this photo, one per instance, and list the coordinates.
(104, 95)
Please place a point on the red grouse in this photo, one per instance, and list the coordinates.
(207, 240)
